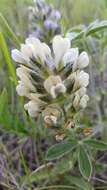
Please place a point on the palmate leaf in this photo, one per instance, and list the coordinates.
(65, 164)
(51, 170)
(59, 150)
(96, 144)
(84, 162)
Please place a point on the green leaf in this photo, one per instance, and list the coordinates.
(79, 182)
(59, 150)
(99, 168)
(7, 57)
(96, 26)
(76, 32)
(85, 165)
(75, 35)
(97, 144)
(65, 164)
(51, 170)
(79, 31)
(3, 101)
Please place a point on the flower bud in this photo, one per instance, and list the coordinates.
(83, 101)
(70, 57)
(50, 120)
(76, 101)
(83, 60)
(60, 137)
(33, 108)
(87, 131)
(81, 80)
(21, 89)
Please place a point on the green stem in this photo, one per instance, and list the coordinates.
(57, 187)
(101, 188)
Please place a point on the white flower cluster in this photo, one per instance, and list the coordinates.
(46, 73)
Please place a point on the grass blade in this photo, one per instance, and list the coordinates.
(8, 30)
(7, 57)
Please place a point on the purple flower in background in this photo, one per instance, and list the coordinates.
(47, 10)
(38, 33)
(40, 4)
(50, 25)
(43, 7)
(56, 15)
(44, 21)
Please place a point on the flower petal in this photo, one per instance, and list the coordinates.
(82, 91)
(36, 46)
(21, 89)
(84, 79)
(83, 101)
(83, 60)
(27, 51)
(33, 108)
(51, 81)
(39, 49)
(17, 56)
(70, 56)
(46, 49)
(76, 101)
(55, 90)
(60, 46)
(24, 76)
(32, 40)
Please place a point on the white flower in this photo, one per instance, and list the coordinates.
(40, 50)
(76, 101)
(21, 89)
(18, 56)
(35, 96)
(60, 47)
(23, 73)
(59, 88)
(80, 99)
(24, 55)
(82, 91)
(83, 60)
(54, 85)
(33, 107)
(27, 51)
(70, 56)
(80, 79)
(83, 101)
(46, 73)
(25, 85)
(32, 48)
(83, 79)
